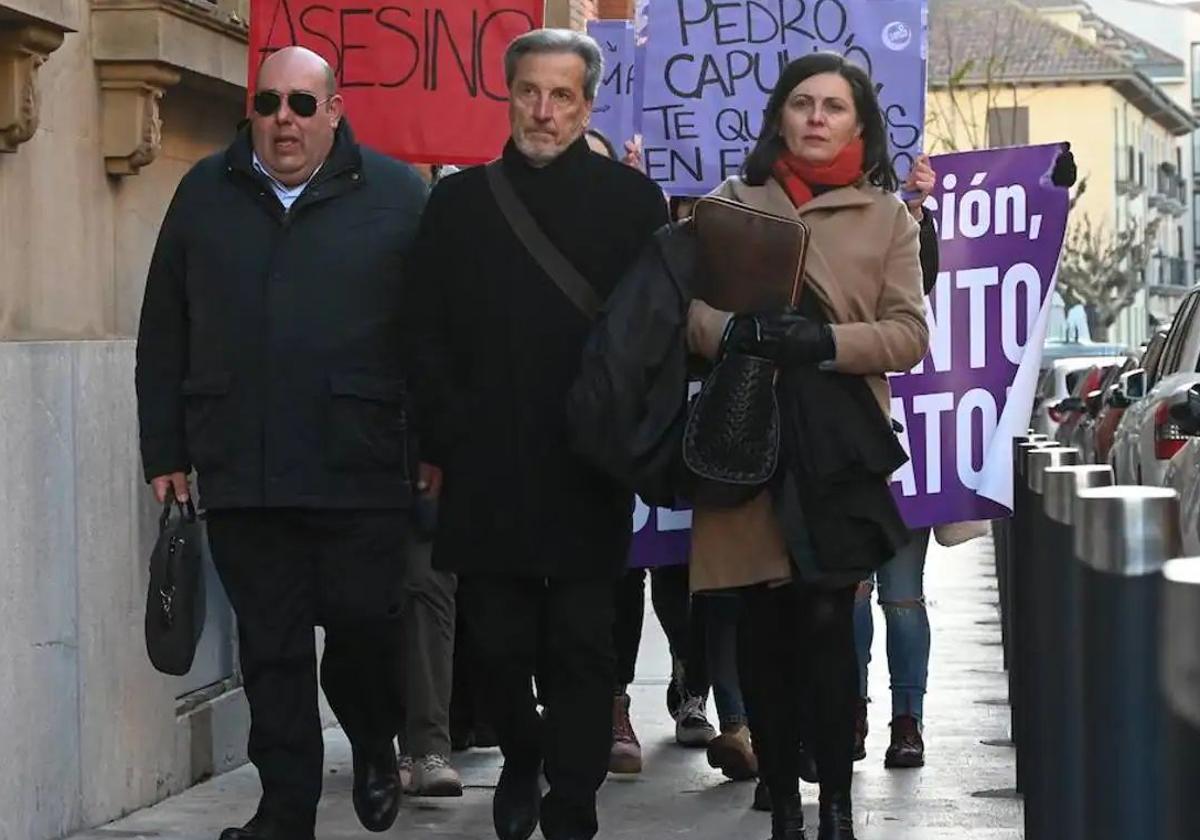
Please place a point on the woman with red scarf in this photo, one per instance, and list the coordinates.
(822, 156)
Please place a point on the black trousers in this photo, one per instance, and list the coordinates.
(287, 571)
(799, 675)
(561, 632)
(680, 616)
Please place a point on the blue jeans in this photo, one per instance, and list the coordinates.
(721, 612)
(902, 596)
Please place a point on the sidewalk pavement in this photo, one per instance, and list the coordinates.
(965, 791)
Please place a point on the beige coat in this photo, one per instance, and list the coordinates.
(864, 266)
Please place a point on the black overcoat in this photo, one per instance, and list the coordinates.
(270, 349)
(498, 346)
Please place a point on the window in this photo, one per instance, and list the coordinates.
(1179, 241)
(1007, 127)
(1195, 71)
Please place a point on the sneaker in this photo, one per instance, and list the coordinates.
(626, 754)
(731, 753)
(406, 774)
(860, 731)
(692, 728)
(908, 748)
(434, 776)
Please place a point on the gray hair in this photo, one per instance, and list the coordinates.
(558, 41)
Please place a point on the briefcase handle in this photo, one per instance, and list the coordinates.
(186, 509)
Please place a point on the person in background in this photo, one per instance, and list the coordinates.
(900, 581)
(537, 535)
(688, 689)
(267, 360)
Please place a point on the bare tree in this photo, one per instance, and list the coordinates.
(986, 74)
(1102, 268)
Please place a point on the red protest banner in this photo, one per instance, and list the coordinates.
(423, 81)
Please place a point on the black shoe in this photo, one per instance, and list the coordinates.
(837, 819)
(376, 786)
(262, 829)
(787, 819)
(568, 819)
(517, 805)
(485, 737)
(808, 766)
(762, 797)
(861, 730)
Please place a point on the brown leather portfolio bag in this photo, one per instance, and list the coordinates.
(748, 261)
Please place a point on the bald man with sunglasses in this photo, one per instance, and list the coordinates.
(269, 361)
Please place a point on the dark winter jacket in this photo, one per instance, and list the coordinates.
(497, 347)
(269, 353)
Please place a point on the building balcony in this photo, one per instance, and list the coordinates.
(1170, 192)
(1171, 275)
(1131, 178)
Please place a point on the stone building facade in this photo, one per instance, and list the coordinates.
(104, 105)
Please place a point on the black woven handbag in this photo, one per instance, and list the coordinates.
(731, 440)
(175, 603)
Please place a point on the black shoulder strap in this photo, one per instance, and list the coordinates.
(551, 260)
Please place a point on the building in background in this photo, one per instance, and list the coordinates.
(1003, 72)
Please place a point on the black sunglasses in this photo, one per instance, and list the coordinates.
(267, 102)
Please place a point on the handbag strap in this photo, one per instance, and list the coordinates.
(551, 260)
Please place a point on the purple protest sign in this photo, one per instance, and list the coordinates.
(1001, 224)
(612, 113)
(661, 536)
(711, 67)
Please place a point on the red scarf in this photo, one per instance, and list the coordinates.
(798, 177)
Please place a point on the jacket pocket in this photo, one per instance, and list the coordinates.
(367, 423)
(205, 399)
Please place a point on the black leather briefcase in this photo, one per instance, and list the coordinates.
(175, 604)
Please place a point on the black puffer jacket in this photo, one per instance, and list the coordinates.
(270, 350)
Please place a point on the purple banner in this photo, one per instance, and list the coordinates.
(661, 536)
(711, 67)
(613, 110)
(1001, 224)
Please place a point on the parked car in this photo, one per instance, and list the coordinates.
(1183, 470)
(1147, 436)
(1118, 399)
(1083, 436)
(1074, 409)
(1059, 382)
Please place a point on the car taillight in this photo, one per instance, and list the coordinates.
(1168, 437)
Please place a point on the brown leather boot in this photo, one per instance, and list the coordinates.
(626, 754)
(731, 753)
(908, 748)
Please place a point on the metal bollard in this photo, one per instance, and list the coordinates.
(1057, 669)
(1123, 535)
(1028, 611)
(1179, 641)
(1003, 534)
(1018, 545)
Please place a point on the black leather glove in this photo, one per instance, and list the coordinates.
(1065, 172)
(783, 337)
